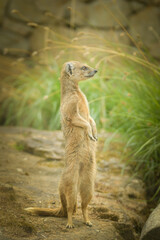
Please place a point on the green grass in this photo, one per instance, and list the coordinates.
(135, 112)
(35, 100)
(124, 97)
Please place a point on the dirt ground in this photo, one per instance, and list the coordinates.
(31, 163)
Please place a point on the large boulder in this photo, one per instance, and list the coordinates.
(151, 230)
(136, 6)
(17, 27)
(108, 14)
(25, 11)
(145, 26)
(98, 14)
(49, 147)
(13, 43)
(37, 39)
(56, 7)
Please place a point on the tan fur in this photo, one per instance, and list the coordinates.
(80, 144)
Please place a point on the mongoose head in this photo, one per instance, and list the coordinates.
(77, 71)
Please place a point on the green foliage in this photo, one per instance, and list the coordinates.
(35, 101)
(124, 97)
(134, 110)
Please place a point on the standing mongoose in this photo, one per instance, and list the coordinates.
(80, 134)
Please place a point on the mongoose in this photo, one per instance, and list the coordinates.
(80, 134)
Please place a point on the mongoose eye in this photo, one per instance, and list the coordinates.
(84, 68)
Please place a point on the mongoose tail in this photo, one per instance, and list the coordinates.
(57, 212)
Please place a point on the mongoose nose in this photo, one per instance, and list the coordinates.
(95, 71)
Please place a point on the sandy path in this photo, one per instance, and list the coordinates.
(117, 209)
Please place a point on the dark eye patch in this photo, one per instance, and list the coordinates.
(84, 68)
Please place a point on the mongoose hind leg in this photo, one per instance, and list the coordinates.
(86, 193)
(71, 203)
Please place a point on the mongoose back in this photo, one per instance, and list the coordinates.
(80, 134)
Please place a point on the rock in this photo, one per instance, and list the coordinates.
(20, 170)
(151, 229)
(51, 148)
(77, 14)
(17, 27)
(47, 144)
(13, 44)
(38, 42)
(136, 6)
(102, 18)
(145, 26)
(26, 11)
(37, 39)
(56, 8)
(2, 9)
(97, 14)
(107, 14)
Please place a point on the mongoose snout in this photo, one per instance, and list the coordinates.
(92, 73)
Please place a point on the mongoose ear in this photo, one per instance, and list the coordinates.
(69, 68)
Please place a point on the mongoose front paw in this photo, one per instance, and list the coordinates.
(69, 225)
(92, 138)
(96, 138)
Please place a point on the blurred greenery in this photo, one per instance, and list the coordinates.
(124, 97)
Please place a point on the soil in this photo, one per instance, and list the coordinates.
(31, 162)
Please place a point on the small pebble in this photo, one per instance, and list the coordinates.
(20, 170)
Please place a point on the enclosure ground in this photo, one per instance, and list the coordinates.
(31, 163)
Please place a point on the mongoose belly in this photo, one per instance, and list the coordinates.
(81, 151)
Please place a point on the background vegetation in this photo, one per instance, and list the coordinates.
(124, 96)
